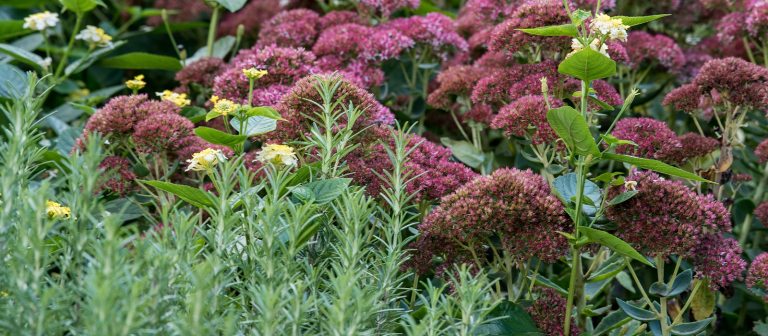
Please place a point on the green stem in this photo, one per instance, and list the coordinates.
(688, 302)
(663, 300)
(250, 92)
(63, 62)
(757, 196)
(640, 286)
(212, 29)
(575, 268)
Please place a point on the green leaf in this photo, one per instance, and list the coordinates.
(691, 328)
(655, 165)
(638, 20)
(13, 82)
(211, 115)
(635, 312)
(221, 47)
(191, 195)
(558, 30)
(81, 6)
(623, 197)
(543, 281)
(325, 191)
(509, 318)
(263, 111)
(231, 5)
(703, 301)
(609, 268)
(22, 55)
(217, 137)
(612, 321)
(587, 65)
(572, 128)
(255, 125)
(142, 61)
(681, 283)
(760, 328)
(566, 187)
(85, 62)
(465, 152)
(12, 28)
(614, 243)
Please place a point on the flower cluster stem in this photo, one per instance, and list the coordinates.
(212, 29)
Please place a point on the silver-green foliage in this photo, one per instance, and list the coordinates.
(259, 261)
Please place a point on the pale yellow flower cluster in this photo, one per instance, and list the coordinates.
(204, 160)
(94, 36)
(136, 84)
(178, 99)
(41, 21)
(224, 106)
(56, 210)
(253, 73)
(277, 154)
(613, 28)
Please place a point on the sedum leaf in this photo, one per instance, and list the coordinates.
(572, 128)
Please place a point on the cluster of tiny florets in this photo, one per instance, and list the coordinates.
(666, 217)
(718, 259)
(548, 312)
(515, 206)
(757, 276)
(654, 138)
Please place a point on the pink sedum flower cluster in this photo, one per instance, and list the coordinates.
(757, 276)
(654, 138)
(718, 259)
(666, 217)
(515, 206)
(526, 116)
(646, 49)
(548, 312)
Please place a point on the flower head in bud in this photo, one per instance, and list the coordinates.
(277, 154)
(178, 99)
(94, 36)
(41, 21)
(204, 160)
(136, 84)
(223, 106)
(613, 28)
(253, 73)
(56, 210)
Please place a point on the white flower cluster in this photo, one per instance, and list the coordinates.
(41, 21)
(577, 46)
(613, 28)
(95, 36)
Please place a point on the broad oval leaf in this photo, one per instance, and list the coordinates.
(263, 111)
(255, 125)
(12, 28)
(636, 312)
(612, 321)
(143, 61)
(509, 318)
(465, 152)
(231, 5)
(655, 165)
(559, 30)
(217, 137)
(610, 268)
(81, 6)
(573, 129)
(325, 191)
(691, 328)
(543, 281)
(680, 284)
(614, 243)
(638, 20)
(587, 65)
(85, 62)
(191, 195)
(567, 188)
(221, 48)
(703, 301)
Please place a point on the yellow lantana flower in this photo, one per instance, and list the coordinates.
(277, 154)
(613, 28)
(56, 210)
(224, 106)
(204, 160)
(136, 84)
(253, 73)
(179, 99)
